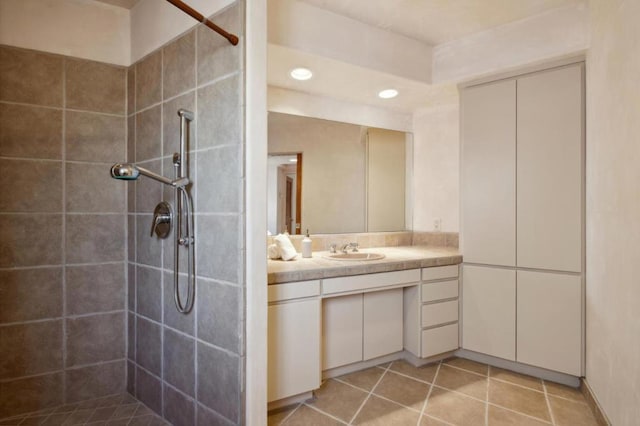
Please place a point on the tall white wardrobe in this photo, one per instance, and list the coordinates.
(522, 229)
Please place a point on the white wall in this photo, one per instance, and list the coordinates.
(436, 168)
(613, 209)
(553, 34)
(306, 105)
(83, 29)
(155, 22)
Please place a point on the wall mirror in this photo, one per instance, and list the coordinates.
(332, 177)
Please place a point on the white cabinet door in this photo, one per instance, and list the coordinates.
(341, 331)
(382, 333)
(549, 321)
(489, 311)
(293, 348)
(488, 173)
(549, 164)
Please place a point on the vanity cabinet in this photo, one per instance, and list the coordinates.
(368, 322)
(522, 188)
(293, 361)
(431, 313)
(360, 327)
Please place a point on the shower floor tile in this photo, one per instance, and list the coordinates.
(114, 410)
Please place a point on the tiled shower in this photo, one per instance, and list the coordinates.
(86, 303)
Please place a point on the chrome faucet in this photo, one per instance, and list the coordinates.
(345, 248)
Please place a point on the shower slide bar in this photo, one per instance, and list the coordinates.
(200, 18)
(183, 231)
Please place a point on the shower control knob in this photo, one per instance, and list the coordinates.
(162, 217)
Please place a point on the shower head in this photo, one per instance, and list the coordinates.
(129, 171)
(125, 171)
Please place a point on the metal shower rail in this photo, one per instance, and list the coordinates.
(200, 18)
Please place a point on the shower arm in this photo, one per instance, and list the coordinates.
(178, 183)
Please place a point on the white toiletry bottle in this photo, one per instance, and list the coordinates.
(306, 246)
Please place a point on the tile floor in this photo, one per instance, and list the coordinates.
(115, 410)
(452, 392)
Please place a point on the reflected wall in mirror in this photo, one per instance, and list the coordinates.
(353, 179)
(284, 186)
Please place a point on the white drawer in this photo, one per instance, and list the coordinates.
(439, 273)
(439, 340)
(439, 313)
(296, 290)
(369, 281)
(439, 290)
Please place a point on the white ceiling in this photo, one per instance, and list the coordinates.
(438, 21)
(430, 21)
(339, 80)
(127, 4)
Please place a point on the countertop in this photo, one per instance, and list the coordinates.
(396, 259)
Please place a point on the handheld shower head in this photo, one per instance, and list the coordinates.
(129, 171)
(125, 171)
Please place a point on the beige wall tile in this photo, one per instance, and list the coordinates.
(30, 294)
(95, 338)
(30, 131)
(219, 113)
(95, 381)
(90, 189)
(94, 86)
(149, 80)
(28, 240)
(95, 238)
(30, 77)
(216, 56)
(179, 65)
(148, 132)
(30, 394)
(29, 349)
(95, 137)
(131, 90)
(171, 124)
(31, 186)
(95, 288)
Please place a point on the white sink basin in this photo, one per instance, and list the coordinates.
(355, 256)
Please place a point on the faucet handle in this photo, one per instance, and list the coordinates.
(354, 246)
(332, 248)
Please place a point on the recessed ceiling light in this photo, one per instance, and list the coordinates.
(388, 93)
(301, 73)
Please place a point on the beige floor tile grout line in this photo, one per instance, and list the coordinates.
(426, 400)
(486, 406)
(546, 398)
(370, 392)
(324, 413)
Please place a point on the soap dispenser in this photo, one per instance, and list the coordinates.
(306, 245)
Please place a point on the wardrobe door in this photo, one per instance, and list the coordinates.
(550, 321)
(549, 169)
(489, 311)
(488, 173)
